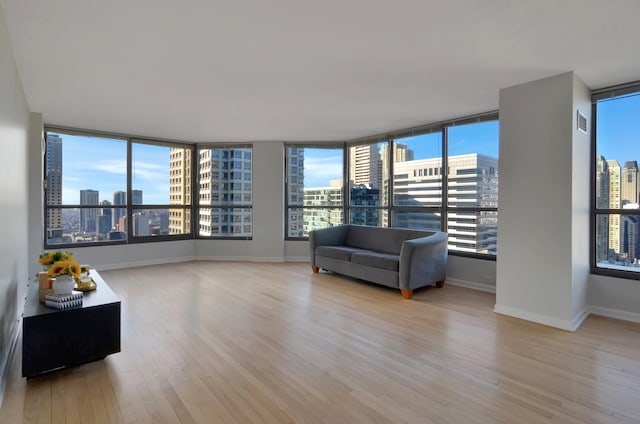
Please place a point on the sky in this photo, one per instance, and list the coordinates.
(101, 164)
(323, 165)
(618, 128)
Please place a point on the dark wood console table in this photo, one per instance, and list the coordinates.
(53, 339)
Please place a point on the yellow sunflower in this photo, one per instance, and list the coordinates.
(46, 259)
(67, 266)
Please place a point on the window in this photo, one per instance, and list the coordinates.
(444, 176)
(106, 190)
(86, 179)
(616, 186)
(225, 197)
(472, 187)
(314, 188)
(161, 190)
(369, 184)
(417, 194)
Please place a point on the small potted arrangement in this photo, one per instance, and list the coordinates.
(63, 267)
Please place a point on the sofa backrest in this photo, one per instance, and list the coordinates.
(385, 240)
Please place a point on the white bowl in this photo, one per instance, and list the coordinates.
(63, 284)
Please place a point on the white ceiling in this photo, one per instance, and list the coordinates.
(297, 70)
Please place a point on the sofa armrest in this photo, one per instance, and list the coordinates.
(423, 261)
(330, 236)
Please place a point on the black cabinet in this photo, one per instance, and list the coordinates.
(53, 339)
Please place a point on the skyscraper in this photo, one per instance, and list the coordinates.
(179, 190)
(119, 198)
(615, 175)
(105, 218)
(629, 183)
(602, 201)
(295, 190)
(225, 185)
(54, 186)
(89, 217)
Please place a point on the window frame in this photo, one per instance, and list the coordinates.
(130, 208)
(596, 96)
(288, 207)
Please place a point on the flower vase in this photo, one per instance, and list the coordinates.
(63, 284)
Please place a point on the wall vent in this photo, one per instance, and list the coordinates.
(582, 122)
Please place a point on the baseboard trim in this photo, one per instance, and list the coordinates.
(240, 259)
(471, 285)
(135, 264)
(530, 316)
(615, 313)
(296, 259)
(579, 319)
(6, 362)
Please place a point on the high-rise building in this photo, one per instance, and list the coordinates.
(615, 175)
(629, 183)
(329, 197)
(141, 223)
(225, 185)
(179, 190)
(602, 202)
(54, 186)
(105, 218)
(295, 191)
(629, 235)
(473, 182)
(119, 198)
(89, 217)
(365, 166)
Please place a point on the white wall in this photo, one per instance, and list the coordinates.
(614, 297)
(580, 202)
(544, 192)
(14, 252)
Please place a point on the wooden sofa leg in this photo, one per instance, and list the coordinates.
(315, 269)
(406, 294)
(440, 284)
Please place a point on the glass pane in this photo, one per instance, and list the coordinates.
(76, 163)
(314, 176)
(417, 220)
(82, 226)
(473, 165)
(295, 220)
(161, 175)
(225, 177)
(322, 218)
(370, 217)
(616, 154)
(618, 242)
(474, 232)
(417, 170)
(369, 174)
(225, 222)
(160, 222)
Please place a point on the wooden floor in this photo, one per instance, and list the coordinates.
(214, 342)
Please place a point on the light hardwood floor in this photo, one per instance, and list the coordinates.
(222, 342)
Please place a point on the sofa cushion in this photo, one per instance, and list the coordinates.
(337, 252)
(376, 260)
(385, 240)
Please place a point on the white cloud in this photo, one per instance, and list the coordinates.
(318, 172)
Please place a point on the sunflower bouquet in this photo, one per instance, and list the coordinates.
(60, 263)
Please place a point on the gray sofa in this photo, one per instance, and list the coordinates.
(394, 257)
